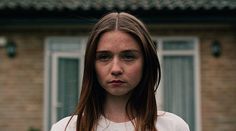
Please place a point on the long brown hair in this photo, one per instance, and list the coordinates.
(142, 102)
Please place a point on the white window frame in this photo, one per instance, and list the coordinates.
(55, 58)
(55, 55)
(195, 54)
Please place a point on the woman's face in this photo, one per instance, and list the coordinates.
(119, 63)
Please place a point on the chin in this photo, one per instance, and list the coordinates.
(119, 94)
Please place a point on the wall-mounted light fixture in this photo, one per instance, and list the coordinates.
(11, 49)
(216, 48)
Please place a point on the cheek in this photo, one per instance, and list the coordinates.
(136, 73)
(100, 72)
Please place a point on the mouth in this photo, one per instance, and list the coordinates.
(116, 81)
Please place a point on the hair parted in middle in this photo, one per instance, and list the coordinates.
(142, 103)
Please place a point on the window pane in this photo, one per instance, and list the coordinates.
(65, 44)
(68, 81)
(178, 45)
(179, 87)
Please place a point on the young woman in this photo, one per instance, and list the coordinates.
(121, 75)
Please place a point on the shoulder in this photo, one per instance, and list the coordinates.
(61, 125)
(170, 121)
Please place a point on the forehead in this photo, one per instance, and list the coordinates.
(117, 40)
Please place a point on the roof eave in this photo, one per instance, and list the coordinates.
(31, 17)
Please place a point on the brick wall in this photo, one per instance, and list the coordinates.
(22, 78)
(219, 81)
(21, 83)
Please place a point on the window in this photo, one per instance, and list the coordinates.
(64, 57)
(179, 89)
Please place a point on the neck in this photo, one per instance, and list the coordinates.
(115, 108)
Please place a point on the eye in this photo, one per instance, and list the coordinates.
(128, 56)
(103, 56)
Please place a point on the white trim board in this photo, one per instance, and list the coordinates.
(48, 57)
(195, 54)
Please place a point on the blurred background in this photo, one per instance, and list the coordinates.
(42, 45)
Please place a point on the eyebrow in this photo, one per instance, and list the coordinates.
(124, 51)
(127, 51)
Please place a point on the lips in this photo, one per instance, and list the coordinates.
(116, 82)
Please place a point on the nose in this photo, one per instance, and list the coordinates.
(116, 68)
